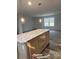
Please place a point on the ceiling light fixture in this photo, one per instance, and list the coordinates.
(22, 20)
(39, 4)
(29, 3)
(40, 20)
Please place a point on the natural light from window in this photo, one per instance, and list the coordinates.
(49, 21)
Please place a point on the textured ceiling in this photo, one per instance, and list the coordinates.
(47, 7)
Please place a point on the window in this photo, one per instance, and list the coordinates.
(49, 21)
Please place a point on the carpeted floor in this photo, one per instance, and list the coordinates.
(55, 54)
(55, 44)
(55, 50)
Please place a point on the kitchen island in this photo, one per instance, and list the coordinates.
(32, 42)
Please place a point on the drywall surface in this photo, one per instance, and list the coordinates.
(28, 24)
(25, 26)
(57, 22)
(31, 23)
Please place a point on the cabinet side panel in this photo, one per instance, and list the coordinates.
(22, 51)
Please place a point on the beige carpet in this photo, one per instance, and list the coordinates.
(55, 54)
(55, 50)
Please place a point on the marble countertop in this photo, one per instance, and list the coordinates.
(24, 37)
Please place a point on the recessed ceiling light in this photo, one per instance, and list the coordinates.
(29, 3)
(39, 4)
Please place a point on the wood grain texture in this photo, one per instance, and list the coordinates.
(35, 45)
(40, 42)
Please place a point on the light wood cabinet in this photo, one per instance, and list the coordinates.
(35, 43)
(38, 43)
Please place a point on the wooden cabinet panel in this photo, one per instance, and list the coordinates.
(32, 42)
(36, 45)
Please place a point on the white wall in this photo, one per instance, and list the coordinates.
(19, 24)
(26, 26)
(57, 22)
(57, 25)
(37, 24)
(33, 22)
